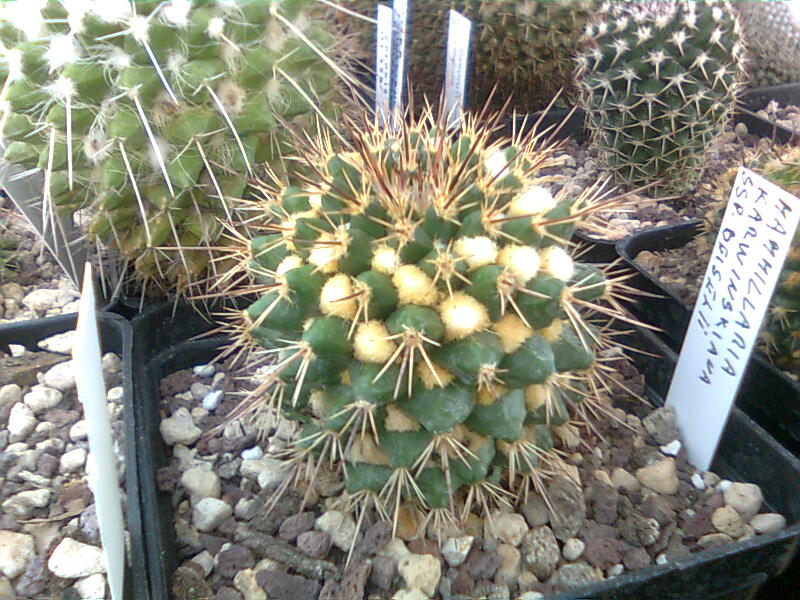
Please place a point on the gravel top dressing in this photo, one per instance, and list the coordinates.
(245, 532)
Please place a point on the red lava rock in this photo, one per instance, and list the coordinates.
(463, 584)
(635, 558)
(177, 382)
(353, 582)
(660, 508)
(60, 417)
(375, 538)
(603, 552)
(383, 571)
(227, 593)
(592, 529)
(699, 524)
(715, 500)
(601, 502)
(233, 559)
(279, 585)
(315, 544)
(212, 543)
(480, 565)
(46, 467)
(295, 525)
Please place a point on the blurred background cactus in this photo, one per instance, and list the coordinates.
(151, 115)
(658, 84)
(523, 46)
(780, 332)
(422, 318)
(771, 31)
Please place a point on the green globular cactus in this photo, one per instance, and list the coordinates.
(426, 322)
(658, 85)
(151, 115)
(780, 332)
(524, 47)
(771, 34)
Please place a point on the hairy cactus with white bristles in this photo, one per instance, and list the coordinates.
(152, 114)
(658, 85)
(425, 321)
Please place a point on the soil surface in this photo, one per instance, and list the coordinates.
(639, 503)
(49, 532)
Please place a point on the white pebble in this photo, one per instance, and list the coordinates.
(204, 370)
(115, 394)
(661, 559)
(16, 350)
(697, 481)
(617, 569)
(212, 400)
(61, 376)
(20, 422)
(60, 343)
(210, 512)
(672, 448)
(199, 390)
(72, 559)
(253, 453)
(79, 431)
(724, 485)
(768, 523)
(72, 461)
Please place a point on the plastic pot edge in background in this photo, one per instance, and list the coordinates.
(115, 336)
(715, 573)
(775, 398)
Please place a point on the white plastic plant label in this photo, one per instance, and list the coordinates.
(399, 32)
(383, 64)
(455, 78)
(754, 237)
(103, 479)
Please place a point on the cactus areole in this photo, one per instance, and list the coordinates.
(150, 115)
(422, 316)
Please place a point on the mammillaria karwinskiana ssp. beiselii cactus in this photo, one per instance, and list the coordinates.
(658, 85)
(423, 318)
(780, 332)
(152, 114)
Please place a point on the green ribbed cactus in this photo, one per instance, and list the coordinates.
(526, 47)
(152, 114)
(427, 324)
(771, 33)
(658, 84)
(780, 333)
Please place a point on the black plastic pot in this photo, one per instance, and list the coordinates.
(163, 344)
(115, 336)
(773, 398)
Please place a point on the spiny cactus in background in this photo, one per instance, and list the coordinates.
(658, 85)
(152, 114)
(422, 318)
(780, 332)
(523, 46)
(771, 34)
